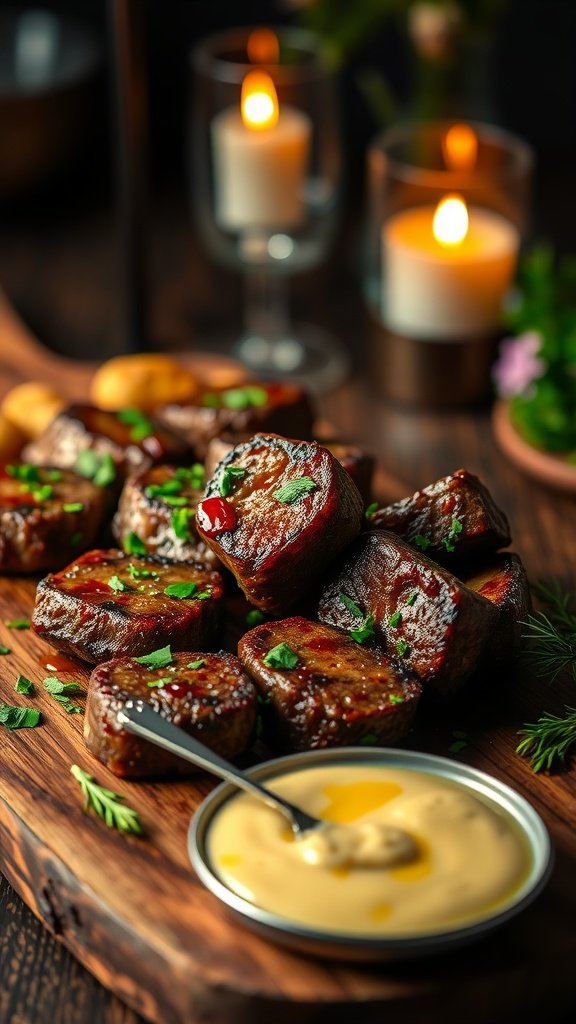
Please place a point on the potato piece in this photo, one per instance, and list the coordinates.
(11, 439)
(143, 380)
(31, 407)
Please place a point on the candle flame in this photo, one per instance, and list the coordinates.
(450, 223)
(460, 147)
(262, 47)
(259, 102)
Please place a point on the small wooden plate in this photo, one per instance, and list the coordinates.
(551, 470)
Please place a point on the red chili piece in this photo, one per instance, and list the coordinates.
(215, 515)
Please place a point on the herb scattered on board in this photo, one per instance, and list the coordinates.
(133, 545)
(18, 624)
(156, 659)
(12, 717)
(295, 489)
(230, 476)
(61, 692)
(281, 656)
(107, 804)
(364, 632)
(552, 637)
(25, 686)
(4, 650)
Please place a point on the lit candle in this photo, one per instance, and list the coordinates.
(260, 154)
(446, 269)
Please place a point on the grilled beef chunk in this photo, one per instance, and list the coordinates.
(336, 693)
(275, 408)
(46, 517)
(417, 611)
(451, 520)
(504, 582)
(206, 695)
(133, 440)
(159, 506)
(106, 604)
(277, 513)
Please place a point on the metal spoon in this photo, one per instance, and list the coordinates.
(140, 719)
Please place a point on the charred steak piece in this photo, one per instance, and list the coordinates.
(47, 516)
(504, 581)
(451, 520)
(277, 513)
(418, 612)
(158, 507)
(319, 688)
(257, 406)
(207, 695)
(106, 604)
(132, 439)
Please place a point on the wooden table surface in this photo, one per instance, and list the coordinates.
(39, 980)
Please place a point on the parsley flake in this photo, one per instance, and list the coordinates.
(254, 617)
(142, 427)
(351, 605)
(181, 590)
(141, 574)
(156, 659)
(100, 469)
(281, 656)
(228, 479)
(396, 698)
(196, 664)
(364, 632)
(73, 506)
(18, 624)
(159, 682)
(412, 597)
(25, 686)
(24, 472)
(422, 542)
(12, 717)
(369, 740)
(244, 398)
(181, 521)
(401, 648)
(133, 545)
(4, 650)
(118, 585)
(295, 489)
(395, 619)
(371, 509)
(456, 528)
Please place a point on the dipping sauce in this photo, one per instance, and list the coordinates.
(470, 856)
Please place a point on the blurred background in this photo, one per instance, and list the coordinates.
(508, 62)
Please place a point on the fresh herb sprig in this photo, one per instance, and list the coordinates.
(107, 804)
(548, 741)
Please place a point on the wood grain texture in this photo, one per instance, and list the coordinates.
(131, 910)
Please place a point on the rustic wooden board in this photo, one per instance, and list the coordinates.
(133, 913)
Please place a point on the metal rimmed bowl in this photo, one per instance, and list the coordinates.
(359, 947)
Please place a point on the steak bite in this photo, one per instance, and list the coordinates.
(158, 505)
(277, 513)
(257, 406)
(418, 612)
(319, 688)
(106, 604)
(47, 516)
(207, 695)
(132, 439)
(451, 520)
(503, 581)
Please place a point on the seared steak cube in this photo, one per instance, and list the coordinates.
(416, 610)
(158, 505)
(107, 604)
(277, 513)
(257, 406)
(47, 516)
(319, 688)
(504, 582)
(132, 439)
(451, 520)
(207, 695)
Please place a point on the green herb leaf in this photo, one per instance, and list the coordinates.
(18, 624)
(4, 650)
(25, 472)
(54, 475)
(141, 574)
(395, 619)
(364, 632)
(401, 648)
(181, 590)
(457, 746)
(228, 479)
(196, 664)
(254, 617)
(133, 545)
(410, 600)
(455, 529)
(181, 521)
(166, 489)
(281, 656)
(244, 398)
(118, 585)
(421, 542)
(396, 698)
(55, 687)
(369, 740)
(73, 506)
(351, 605)
(68, 705)
(159, 682)
(371, 509)
(295, 489)
(156, 659)
(77, 538)
(12, 717)
(25, 686)
(107, 804)
(142, 427)
(548, 741)
(42, 493)
(101, 469)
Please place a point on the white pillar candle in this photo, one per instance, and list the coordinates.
(430, 290)
(259, 171)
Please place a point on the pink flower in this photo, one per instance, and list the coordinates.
(518, 365)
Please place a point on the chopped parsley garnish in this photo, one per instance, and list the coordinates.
(133, 545)
(73, 506)
(244, 398)
(181, 590)
(457, 746)
(229, 478)
(369, 740)
(118, 585)
(395, 619)
(18, 718)
(156, 659)
(54, 475)
(142, 427)
(166, 489)
(412, 597)
(351, 605)
(281, 656)
(401, 648)
(395, 698)
(100, 469)
(25, 686)
(295, 489)
(42, 493)
(196, 664)
(364, 632)
(4, 650)
(61, 691)
(18, 624)
(371, 509)
(141, 574)
(193, 477)
(455, 529)
(422, 542)
(77, 538)
(159, 682)
(210, 400)
(107, 804)
(180, 521)
(26, 472)
(254, 617)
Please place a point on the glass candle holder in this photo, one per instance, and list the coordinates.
(448, 212)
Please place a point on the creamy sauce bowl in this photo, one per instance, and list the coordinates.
(482, 854)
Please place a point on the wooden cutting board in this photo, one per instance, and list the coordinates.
(134, 914)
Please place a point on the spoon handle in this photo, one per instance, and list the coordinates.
(140, 719)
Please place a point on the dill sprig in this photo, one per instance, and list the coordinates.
(107, 804)
(548, 741)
